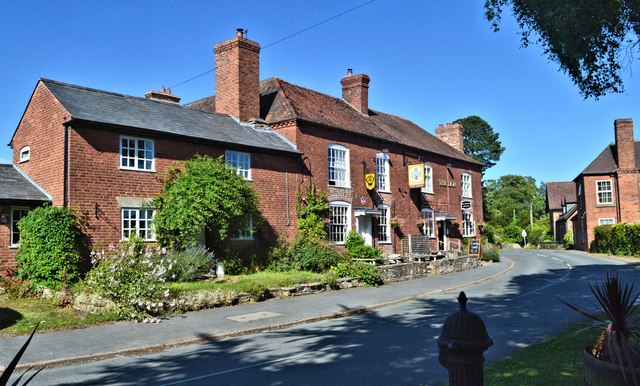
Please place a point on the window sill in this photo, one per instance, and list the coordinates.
(385, 242)
(607, 205)
(251, 239)
(14, 246)
(138, 170)
(426, 191)
(384, 191)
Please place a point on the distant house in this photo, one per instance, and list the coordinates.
(608, 189)
(106, 154)
(561, 207)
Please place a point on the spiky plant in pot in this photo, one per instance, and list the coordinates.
(617, 316)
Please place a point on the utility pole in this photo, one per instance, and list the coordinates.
(531, 215)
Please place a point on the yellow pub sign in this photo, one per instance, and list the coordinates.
(416, 175)
(370, 181)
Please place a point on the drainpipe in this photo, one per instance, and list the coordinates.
(65, 182)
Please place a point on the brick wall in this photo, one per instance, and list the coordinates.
(41, 128)
(7, 254)
(403, 202)
(96, 180)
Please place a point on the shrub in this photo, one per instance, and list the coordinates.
(490, 253)
(48, 253)
(568, 239)
(356, 248)
(132, 276)
(358, 270)
(304, 254)
(191, 263)
(311, 211)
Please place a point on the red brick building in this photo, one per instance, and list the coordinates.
(106, 154)
(561, 207)
(608, 190)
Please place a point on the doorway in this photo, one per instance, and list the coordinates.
(364, 228)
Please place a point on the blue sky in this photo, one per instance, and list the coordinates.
(429, 61)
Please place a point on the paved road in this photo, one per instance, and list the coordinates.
(394, 345)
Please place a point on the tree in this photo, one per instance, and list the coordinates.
(587, 38)
(201, 193)
(480, 141)
(509, 200)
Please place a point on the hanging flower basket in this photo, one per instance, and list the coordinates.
(395, 222)
(420, 223)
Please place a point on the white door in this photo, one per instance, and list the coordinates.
(364, 229)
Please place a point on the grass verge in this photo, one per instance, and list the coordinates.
(554, 361)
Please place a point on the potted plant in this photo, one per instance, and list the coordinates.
(615, 357)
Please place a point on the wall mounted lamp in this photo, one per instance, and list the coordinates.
(4, 218)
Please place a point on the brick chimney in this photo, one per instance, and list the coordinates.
(355, 91)
(238, 77)
(164, 95)
(451, 134)
(625, 144)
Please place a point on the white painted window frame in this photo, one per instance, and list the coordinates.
(430, 219)
(428, 179)
(241, 161)
(383, 181)
(606, 221)
(468, 225)
(600, 191)
(339, 238)
(25, 154)
(338, 166)
(13, 223)
(384, 225)
(136, 154)
(147, 227)
(243, 229)
(465, 183)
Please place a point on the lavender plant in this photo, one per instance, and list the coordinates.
(133, 276)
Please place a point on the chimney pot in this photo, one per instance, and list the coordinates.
(349, 71)
(240, 32)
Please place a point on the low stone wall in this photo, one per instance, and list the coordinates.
(459, 264)
(403, 271)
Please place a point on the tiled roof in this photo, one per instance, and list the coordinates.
(14, 186)
(606, 162)
(281, 101)
(559, 193)
(117, 109)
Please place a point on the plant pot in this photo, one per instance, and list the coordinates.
(600, 373)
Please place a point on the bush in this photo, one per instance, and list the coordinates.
(191, 264)
(490, 253)
(132, 276)
(356, 248)
(48, 253)
(358, 270)
(620, 239)
(305, 255)
(568, 239)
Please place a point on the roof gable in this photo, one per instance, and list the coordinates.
(606, 162)
(109, 108)
(559, 193)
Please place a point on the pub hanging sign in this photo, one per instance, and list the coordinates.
(416, 175)
(370, 181)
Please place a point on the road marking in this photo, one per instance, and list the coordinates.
(236, 369)
(563, 278)
(253, 316)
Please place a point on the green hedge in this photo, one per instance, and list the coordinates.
(620, 239)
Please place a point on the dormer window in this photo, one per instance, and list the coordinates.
(25, 154)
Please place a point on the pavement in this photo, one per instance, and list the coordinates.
(62, 348)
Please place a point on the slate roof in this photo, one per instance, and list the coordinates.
(606, 162)
(14, 186)
(559, 193)
(104, 107)
(282, 101)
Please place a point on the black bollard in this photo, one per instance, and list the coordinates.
(463, 341)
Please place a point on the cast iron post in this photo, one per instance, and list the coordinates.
(463, 341)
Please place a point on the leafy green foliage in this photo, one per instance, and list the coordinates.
(48, 254)
(133, 277)
(588, 39)
(191, 263)
(490, 253)
(568, 239)
(619, 239)
(358, 270)
(201, 193)
(354, 244)
(312, 210)
(305, 255)
(480, 141)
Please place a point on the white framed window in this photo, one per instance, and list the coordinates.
(136, 154)
(16, 215)
(25, 154)
(240, 161)
(242, 228)
(384, 225)
(468, 225)
(338, 166)
(604, 192)
(382, 172)
(138, 221)
(339, 222)
(606, 221)
(466, 185)
(428, 220)
(428, 179)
